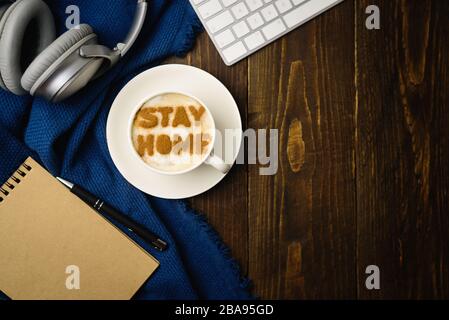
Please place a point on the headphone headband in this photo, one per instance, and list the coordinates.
(113, 56)
(133, 34)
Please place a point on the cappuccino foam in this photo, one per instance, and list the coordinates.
(173, 132)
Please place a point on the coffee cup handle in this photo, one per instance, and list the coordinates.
(218, 163)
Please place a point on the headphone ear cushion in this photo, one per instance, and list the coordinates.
(13, 27)
(3, 9)
(52, 53)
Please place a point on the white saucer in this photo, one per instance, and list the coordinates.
(172, 78)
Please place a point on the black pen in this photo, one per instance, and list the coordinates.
(107, 210)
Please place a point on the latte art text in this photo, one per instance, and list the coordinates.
(149, 118)
(173, 132)
(163, 143)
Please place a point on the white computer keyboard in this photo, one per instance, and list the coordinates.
(238, 28)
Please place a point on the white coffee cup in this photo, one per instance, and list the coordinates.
(209, 158)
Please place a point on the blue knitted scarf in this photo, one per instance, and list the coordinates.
(69, 140)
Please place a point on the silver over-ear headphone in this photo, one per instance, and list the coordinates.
(63, 66)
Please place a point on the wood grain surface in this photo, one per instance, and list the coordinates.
(363, 174)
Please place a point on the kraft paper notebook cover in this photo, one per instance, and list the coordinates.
(44, 229)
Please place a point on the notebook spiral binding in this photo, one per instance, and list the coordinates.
(14, 180)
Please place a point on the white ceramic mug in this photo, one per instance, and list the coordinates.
(209, 158)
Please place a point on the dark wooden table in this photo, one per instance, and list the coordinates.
(364, 155)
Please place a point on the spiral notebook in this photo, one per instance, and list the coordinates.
(54, 246)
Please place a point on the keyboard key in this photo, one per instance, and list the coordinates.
(254, 4)
(235, 51)
(273, 29)
(225, 38)
(269, 13)
(240, 10)
(240, 29)
(298, 2)
(283, 5)
(254, 40)
(227, 3)
(305, 12)
(210, 8)
(255, 21)
(219, 22)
